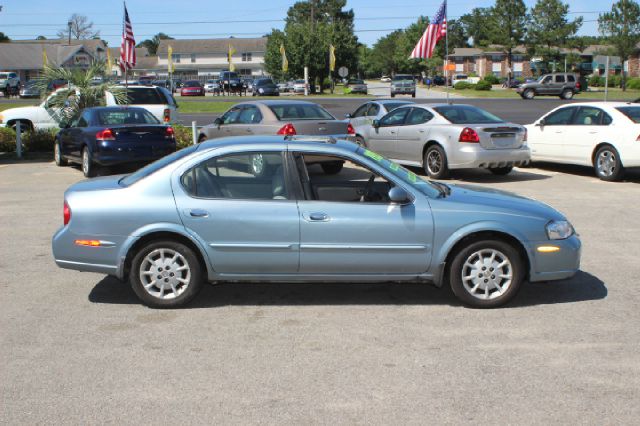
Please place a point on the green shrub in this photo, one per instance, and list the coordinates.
(633, 83)
(491, 79)
(483, 85)
(7, 140)
(39, 140)
(596, 81)
(183, 136)
(463, 85)
(614, 80)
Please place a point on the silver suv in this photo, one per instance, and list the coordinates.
(560, 84)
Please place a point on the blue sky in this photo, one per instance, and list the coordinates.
(374, 18)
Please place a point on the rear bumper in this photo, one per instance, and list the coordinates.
(470, 156)
(113, 155)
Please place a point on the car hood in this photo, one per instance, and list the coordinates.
(502, 202)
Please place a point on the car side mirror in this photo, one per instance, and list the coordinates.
(541, 123)
(347, 115)
(398, 195)
(375, 123)
(217, 121)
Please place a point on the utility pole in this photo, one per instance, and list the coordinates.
(69, 24)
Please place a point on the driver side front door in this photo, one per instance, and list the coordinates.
(383, 138)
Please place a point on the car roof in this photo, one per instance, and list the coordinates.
(280, 102)
(299, 142)
(115, 108)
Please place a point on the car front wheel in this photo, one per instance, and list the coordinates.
(435, 162)
(165, 274)
(528, 94)
(486, 273)
(607, 164)
(567, 94)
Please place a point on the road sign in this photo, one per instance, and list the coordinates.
(343, 71)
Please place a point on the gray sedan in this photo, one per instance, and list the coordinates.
(201, 215)
(364, 115)
(441, 137)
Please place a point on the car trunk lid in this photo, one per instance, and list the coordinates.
(320, 127)
(500, 136)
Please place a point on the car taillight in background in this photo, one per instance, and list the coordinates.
(287, 130)
(169, 133)
(167, 115)
(105, 135)
(469, 135)
(578, 86)
(66, 213)
(350, 129)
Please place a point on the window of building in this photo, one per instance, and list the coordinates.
(246, 57)
(176, 58)
(193, 58)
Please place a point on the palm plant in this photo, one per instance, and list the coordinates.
(85, 88)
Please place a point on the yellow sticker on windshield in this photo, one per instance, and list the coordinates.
(395, 167)
(373, 155)
(412, 177)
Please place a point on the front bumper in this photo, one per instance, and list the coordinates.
(469, 156)
(403, 90)
(557, 265)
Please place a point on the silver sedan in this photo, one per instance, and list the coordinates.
(441, 137)
(364, 115)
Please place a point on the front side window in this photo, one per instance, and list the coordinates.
(244, 176)
(249, 115)
(232, 116)
(394, 118)
(560, 117)
(362, 111)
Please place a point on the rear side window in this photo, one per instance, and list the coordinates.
(559, 78)
(362, 111)
(590, 116)
(300, 112)
(632, 112)
(571, 79)
(374, 109)
(419, 116)
(145, 96)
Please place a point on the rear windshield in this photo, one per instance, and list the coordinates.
(300, 112)
(356, 82)
(157, 165)
(126, 116)
(633, 112)
(145, 96)
(467, 114)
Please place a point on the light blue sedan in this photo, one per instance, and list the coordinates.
(260, 208)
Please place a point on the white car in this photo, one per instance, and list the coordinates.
(157, 100)
(385, 79)
(457, 78)
(602, 135)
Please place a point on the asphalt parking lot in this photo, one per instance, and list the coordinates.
(78, 347)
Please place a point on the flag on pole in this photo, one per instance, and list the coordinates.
(170, 68)
(45, 60)
(285, 62)
(332, 58)
(436, 30)
(128, 45)
(109, 62)
(232, 67)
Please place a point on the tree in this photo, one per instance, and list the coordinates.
(476, 25)
(81, 28)
(41, 37)
(549, 28)
(621, 26)
(4, 38)
(508, 26)
(153, 44)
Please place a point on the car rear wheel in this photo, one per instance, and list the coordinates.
(528, 94)
(486, 273)
(607, 164)
(88, 168)
(435, 162)
(413, 95)
(501, 171)
(57, 155)
(566, 94)
(165, 274)
(332, 168)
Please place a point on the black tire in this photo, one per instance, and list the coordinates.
(187, 291)
(360, 141)
(528, 94)
(607, 164)
(435, 162)
(332, 168)
(393, 95)
(501, 171)
(57, 155)
(566, 94)
(487, 278)
(88, 168)
(25, 126)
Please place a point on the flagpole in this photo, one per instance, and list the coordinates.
(126, 68)
(446, 55)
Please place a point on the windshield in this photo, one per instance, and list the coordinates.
(467, 114)
(633, 112)
(263, 82)
(126, 116)
(355, 82)
(407, 176)
(402, 77)
(157, 165)
(4, 76)
(300, 112)
(192, 83)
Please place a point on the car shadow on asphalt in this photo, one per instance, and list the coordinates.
(582, 287)
(630, 175)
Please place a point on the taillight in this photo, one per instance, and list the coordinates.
(287, 130)
(350, 129)
(105, 135)
(578, 85)
(469, 135)
(167, 115)
(66, 213)
(169, 133)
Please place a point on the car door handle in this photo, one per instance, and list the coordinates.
(421, 131)
(392, 132)
(318, 217)
(198, 213)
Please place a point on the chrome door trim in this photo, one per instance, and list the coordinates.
(362, 247)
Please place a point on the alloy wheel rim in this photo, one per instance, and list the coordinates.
(606, 163)
(434, 162)
(165, 274)
(487, 274)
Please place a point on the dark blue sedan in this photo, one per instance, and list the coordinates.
(109, 136)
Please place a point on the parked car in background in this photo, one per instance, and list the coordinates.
(363, 116)
(248, 84)
(161, 83)
(403, 84)
(201, 215)
(355, 85)
(602, 135)
(439, 80)
(442, 137)
(564, 85)
(457, 78)
(265, 87)
(9, 82)
(212, 86)
(30, 90)
(192, 88)
(283, 87)
(385, 79)
(231, 82)
(514, 83)
(299, 86)
(108, 136)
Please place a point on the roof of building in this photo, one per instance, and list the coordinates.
(25, 56)
(216, 45)
(140, 52)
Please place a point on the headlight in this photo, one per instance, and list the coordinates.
(261, 90)
(559, 230)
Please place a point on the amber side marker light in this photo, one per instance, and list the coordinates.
(88, 243)
(548, 249)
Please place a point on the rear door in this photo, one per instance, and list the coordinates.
(383, 138)
(412, 135)
(590, 126)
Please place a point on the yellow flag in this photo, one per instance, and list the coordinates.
(332, 58)
(170, 60)
(232, 67)
(285, 62)
(109, 63)
(45, 60)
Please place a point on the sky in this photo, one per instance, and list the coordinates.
(27, 19)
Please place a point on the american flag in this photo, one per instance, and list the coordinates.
(434, 32)
(128, 46)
